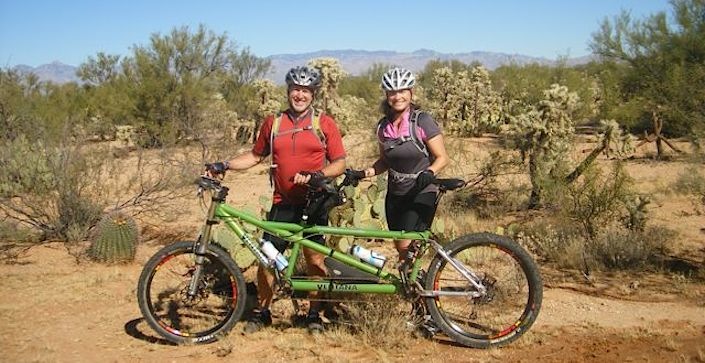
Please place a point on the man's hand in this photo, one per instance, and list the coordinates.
(216, 169)
(315, 178)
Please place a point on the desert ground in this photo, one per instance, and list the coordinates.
(54, 308)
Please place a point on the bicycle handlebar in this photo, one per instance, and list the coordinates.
(208, 183)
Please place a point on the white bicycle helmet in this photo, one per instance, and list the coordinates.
(397, 79)
(303, 76)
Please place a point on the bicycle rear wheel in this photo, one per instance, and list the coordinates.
(171, 312)
(507, 308)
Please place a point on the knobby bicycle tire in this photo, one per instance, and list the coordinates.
(165, 305)
(512, 301)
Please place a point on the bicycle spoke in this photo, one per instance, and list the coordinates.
(179, 313)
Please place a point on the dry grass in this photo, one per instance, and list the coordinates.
(377, 321)
(700, 355)
(671, 345)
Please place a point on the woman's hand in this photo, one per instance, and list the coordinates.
(424, 179)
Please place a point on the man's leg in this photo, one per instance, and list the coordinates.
(265, 281)
(261, 316)
(314, 268)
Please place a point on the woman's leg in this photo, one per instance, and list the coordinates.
(409, 213)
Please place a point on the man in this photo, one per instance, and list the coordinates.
(303, 145)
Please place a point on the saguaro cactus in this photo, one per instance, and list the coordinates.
(115, 238)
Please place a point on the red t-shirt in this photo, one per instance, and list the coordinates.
(296, 151)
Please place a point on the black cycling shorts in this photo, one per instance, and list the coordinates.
(292, 213)
(410, 212)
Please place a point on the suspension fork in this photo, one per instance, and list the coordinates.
(201, 246)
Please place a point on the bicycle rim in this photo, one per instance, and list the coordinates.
(499, 315)
(197, 319)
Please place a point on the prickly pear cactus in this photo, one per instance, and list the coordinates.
(115, 239)
(242, 256)
(364, 209)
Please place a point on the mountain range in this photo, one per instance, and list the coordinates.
(354, 62)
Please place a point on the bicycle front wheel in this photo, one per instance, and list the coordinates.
(162, 294)
(504, 306)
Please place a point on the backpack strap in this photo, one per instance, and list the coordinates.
(272, 134)
(413, 133)
(413, 124)
(275, 131)
(315, 127)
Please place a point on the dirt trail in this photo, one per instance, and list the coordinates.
(53, 310)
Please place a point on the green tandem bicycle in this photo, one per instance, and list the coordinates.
(482, 290)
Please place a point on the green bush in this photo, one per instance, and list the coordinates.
(50, 188)
(554, 242)
(597, 199)
(563, 244)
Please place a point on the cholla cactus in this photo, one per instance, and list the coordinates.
(267, 100)
(331, 74)
(347, 109)
(351, 112)
(465, 102)
(116, 238)
(444, 96)
(480, 105)
(613, 141)
(544, 134)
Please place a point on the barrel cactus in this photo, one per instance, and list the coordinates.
(115, 238)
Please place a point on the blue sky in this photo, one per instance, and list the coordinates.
(35, 32)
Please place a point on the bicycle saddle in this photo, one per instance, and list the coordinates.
(450, 184)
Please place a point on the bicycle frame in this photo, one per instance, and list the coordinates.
(216, 295)
(294, 232)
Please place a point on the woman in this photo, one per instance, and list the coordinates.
(412, 151)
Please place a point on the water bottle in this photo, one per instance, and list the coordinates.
(373, 258)
(274, 255)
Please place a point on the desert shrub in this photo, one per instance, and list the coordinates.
(558, 243)
(62, 190)
(625, 249)
(486, 193)
(598, 199)
(692, 183)
(15, 240)
(14, 232)
(49, 187)
(614, 248)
